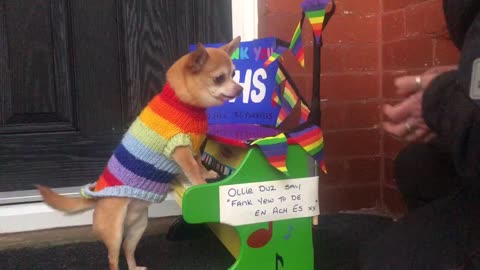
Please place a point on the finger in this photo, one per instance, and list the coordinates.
(398, 130)
(417, 135)
(406, 85)
(400, 111)
(429, 137)
(441, 69)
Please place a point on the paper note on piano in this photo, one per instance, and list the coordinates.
(269, 201)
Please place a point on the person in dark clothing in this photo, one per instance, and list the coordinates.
(439, 173)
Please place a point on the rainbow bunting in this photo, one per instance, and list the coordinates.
(304, 112)
(271, 59)
(282, 115)
(276, 99)
(315, 12)
(275, 150)
(311, 140)
(296, 45)
(288, 101)
(289, 95)
(279, 77)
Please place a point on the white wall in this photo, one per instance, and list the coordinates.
(245, 19)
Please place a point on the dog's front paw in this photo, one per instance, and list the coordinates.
(211, 175)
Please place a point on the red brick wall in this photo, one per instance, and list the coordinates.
(366, 44)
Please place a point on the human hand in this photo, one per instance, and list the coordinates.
(407, 85)
(405, 119)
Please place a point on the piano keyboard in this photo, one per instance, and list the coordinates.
(212, 163)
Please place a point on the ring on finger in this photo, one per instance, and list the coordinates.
(408, 127)
(418, 82)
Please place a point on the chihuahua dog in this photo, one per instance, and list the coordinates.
(162, 142)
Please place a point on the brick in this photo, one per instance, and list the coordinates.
(304, 85)
(398, 4)
(350, 143)
(352, 29)
(291, 6)
(408, 54)
(351, 172)
(356, 7)
(361, 57)
(349, 86)
(333, 200)
(393, 25)
(389, 90)
(445, 52)
(332, 58)
(347, 58)
(392, 146)
(281, 25)
(394, 202)
(425, 19)
(292, 65)
(351, 115)
(388, 180)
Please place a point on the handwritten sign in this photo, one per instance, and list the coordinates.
(269, 201)
(254, 105)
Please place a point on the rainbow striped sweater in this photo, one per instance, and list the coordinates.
(141, 166)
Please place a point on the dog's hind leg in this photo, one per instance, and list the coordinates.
(135, 225)
(108, 222)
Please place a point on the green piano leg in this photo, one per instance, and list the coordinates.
(290, 245)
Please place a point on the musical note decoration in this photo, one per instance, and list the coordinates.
(261, 237)
(278, 259)
(289, 233)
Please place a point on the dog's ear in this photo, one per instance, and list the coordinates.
(232, 45)
(198, 58)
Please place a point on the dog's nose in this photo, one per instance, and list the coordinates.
(239, 90)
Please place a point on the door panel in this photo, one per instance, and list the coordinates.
(75, 74)
(35, 85)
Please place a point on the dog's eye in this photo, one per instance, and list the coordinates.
(219, 79)
(233, 74)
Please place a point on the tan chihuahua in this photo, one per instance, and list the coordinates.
(163, 141)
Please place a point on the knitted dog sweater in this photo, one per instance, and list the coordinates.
(141, 166)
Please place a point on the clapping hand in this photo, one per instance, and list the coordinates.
(405, 119)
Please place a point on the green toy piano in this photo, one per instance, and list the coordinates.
(264, 204)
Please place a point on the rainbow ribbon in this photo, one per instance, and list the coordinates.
(280, 77)
(311, 140)
(289, 95)
(275, 150)
(276, 99)
(296, 45)
(271, 59)
(315, 12)
(304, 113)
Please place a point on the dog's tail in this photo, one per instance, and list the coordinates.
(63, 203)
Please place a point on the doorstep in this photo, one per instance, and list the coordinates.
(60, 236)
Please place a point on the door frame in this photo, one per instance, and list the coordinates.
(19, 208)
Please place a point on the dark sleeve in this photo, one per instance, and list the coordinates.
(449, 111)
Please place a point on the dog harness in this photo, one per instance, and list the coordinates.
(141, 166)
